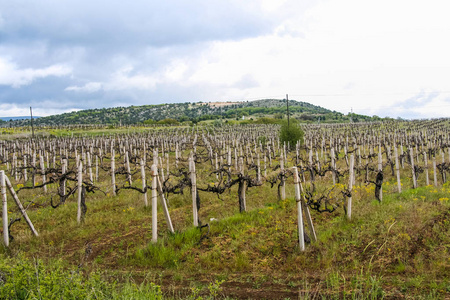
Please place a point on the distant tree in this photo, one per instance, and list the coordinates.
(183, 119)
(278, 116)
(169, 121)
(266, 120)
(291, 133)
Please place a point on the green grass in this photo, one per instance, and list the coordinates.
(372, 256)
(396, 248)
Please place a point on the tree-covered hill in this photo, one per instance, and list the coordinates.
(195, 112)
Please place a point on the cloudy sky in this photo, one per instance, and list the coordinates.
(384, 57)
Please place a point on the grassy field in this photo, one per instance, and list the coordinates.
(399, 248)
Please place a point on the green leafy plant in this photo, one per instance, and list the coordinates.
(291, 133)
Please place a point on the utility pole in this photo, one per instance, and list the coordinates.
(32, 127)
(287, 105)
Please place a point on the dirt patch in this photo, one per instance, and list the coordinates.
(418, 243)
(110, 245)
(238, 290)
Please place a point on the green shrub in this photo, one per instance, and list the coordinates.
(291, 134)
(169, 121)
(149, 122)
(266, 120)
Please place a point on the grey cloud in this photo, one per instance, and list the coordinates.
(412, 107)
(96, 39)
(419, 100)
(103, 23)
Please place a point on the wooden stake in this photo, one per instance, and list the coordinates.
(4, 208)
(434, 171)
(283, 184)
(380, 169)
(350, 187)
(113, 173)
(193, 190)
(89, 161)
(41, 162)
(144, 184)
(412, 168)
(301, 233)
(80, 187)
(154, 204)
(242, 187)
(425, 160)
(127, 163)
(397, 170)
(164, 206)
(333, 166)
(19, 204)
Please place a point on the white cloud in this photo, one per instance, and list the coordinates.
(361, 54)
(89, 87)
(176, 70)
(12, 75)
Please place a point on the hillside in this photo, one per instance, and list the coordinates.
(194, 112)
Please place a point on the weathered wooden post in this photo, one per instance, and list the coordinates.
(89, 161)
(80, 188)
(425, 161)
(162, 169)
(307, 213)
(113, 172)
(333, 165)
(301, 232)
(265, 166)
(4, 208)
(350, 187)
(25, 176)
(413, 170)
(242, 186)
(154, 204)
(164, 205)
(380, 170)
(96, 168)
(283, 183)
(444, 176)
(434, 170)
(16, 177)
(41, 162)
(33, 164)
(397, 169)
(127, 164)
(258, 172)
(167, 165)
(176, 155)
(144, 184)
(193, 189)
(19, 204)
(216, 164)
